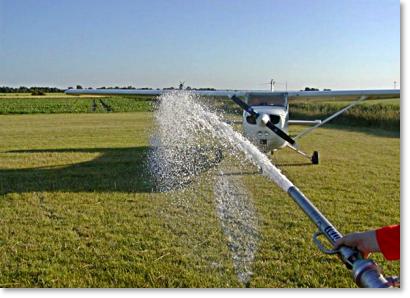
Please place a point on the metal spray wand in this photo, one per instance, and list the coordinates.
(366, 272)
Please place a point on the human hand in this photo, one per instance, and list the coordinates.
(365, 242)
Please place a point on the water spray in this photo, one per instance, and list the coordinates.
(187, 117)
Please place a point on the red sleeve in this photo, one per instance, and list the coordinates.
(388, 239)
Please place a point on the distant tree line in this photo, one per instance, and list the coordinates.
(146, 88)
(315, 89)
(189, 88)
(32, 90)
(125, 88)
(43, 90)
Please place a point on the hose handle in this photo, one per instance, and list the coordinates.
(320, 245)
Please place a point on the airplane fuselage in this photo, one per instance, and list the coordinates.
(274, 108)
(260, 135)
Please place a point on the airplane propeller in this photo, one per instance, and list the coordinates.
(267, 122)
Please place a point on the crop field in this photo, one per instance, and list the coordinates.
(78, 207)
(380, 113)
(52, 103)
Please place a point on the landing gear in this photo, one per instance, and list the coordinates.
(315, 158)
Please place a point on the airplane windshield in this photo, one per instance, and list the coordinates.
(267, 100)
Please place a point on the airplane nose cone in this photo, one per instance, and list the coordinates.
(265, 118)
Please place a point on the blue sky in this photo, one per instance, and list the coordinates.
(220, 43)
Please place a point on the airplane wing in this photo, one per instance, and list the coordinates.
(345, 94)
(111, 92)
(228, 93)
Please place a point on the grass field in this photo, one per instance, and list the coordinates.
(78, 208)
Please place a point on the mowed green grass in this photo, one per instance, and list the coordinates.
(78, 208)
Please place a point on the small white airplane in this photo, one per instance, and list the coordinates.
(266, 113)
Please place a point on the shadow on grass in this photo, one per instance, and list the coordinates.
(115, 170)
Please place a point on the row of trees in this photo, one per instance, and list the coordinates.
(143, 88)
(23, 89)
(315, 89)
(43, 90)
(116, 87)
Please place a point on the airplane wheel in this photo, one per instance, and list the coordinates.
(315, 158)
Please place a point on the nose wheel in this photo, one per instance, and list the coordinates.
(315, 158)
